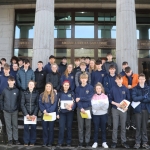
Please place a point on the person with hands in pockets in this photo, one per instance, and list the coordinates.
(48, 104)
(100, 106)
(141, 95)
(29, 106)
(66, 106)
(84, 93)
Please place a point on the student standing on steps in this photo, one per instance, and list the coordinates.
(141, 93)
(84, 93)
(48, 104)
(29, 106)
(65, 113)
(117, 94)
(9, 100)
(100, 106)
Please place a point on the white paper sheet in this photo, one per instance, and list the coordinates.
(135, 104)
(26, 121)
(65, 102)
(128, 103)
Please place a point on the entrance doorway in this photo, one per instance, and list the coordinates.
(144, 67)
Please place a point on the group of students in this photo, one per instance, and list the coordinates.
(93, 86)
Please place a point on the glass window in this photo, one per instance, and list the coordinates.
(84, 31)
(82, 52)
(24, 31)
(107, 31)
(23, 52)
(103, 52)
(143, 53)
(63, 16)
(62, 52)
(84, 16)
(143, 32)
(106, 17)
(25, 17)
(62, 31)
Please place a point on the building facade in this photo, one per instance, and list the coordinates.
(77, 28)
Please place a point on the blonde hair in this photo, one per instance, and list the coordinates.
(84, 75)
(99, 84)
(90, 69)
(45, 94)
(31, 81)
(66, 71)
(54, 64)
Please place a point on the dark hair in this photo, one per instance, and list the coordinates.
(11, 78)
(26, 61)
(52, 56)
(0, 62)
(118, 76)
(88, 58)
(40, 62)
(125, 63)
(112, 67)
(82, 57)
(21, 59)
(141, 75)
(127, 69)
(109, 53)
(3, 59)
(14, 58)
(98, 62)
(64, 57)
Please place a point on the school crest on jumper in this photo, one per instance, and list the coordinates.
(69, 95)
(123, 92)
(71, 77)
(102, 75)
(87, 91)
(14, 93)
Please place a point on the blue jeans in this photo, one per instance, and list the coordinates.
(29, 136)
(100, 122)
(48, 132)
(65, 120)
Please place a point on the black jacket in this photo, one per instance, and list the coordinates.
(40, 79)
(9, 99)
(29, 102)
(54, 78)
(62, 68)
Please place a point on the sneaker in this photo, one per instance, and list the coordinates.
(44, 145)
(133, 127)
(113, 145)
(59, 145)
(95, 145)
(146, 146)
(104, 144)
(31, 145)
(10, 143)
(25, 144)
(16, 142)
(136, 146)
(125, 145)
(127, 127)
(109, 127)
(68, 145)
(49, 145)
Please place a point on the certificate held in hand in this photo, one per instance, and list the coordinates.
(50, 116)
(86, 115)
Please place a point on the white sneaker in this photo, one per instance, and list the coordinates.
(95, 145)
(105, 145)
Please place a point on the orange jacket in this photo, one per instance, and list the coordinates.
(134, 80)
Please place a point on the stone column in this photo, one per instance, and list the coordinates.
(126, 41)
(43, 44)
